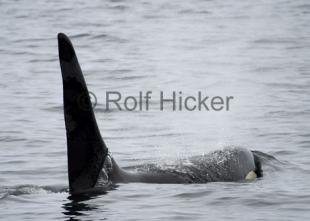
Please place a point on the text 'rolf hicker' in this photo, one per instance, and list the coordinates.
(172, 101)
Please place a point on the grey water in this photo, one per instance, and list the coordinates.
(256, 51)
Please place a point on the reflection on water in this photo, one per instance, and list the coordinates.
(77, 206)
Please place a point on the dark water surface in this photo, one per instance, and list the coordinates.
(256, 51)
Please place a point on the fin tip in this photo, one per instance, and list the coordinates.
(65, 47)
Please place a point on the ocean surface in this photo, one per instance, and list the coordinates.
(256, 51)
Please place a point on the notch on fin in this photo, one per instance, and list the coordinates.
(85, 146)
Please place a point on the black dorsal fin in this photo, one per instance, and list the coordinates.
(85, 146)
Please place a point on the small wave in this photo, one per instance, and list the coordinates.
(129, 78)
(32, 40)
(120, 71)
(119, 7)
(266, 158)
(30, 189)
(117, 1)
(192, 195)
(43, 60)
(82, 35)
(303, 6)
(11, 139)
(147, 136)
(109, 38)
(273, 164)
(100, 36)
(53, 108)
(284, 152)
(274, 41)
(191, 11)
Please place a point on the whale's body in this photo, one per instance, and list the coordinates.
(90, 166)
(230, 164)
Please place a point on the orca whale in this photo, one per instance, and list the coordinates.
(90, 164)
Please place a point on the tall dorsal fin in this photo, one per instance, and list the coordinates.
(85, 146)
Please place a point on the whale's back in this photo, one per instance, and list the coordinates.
(229, 164)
